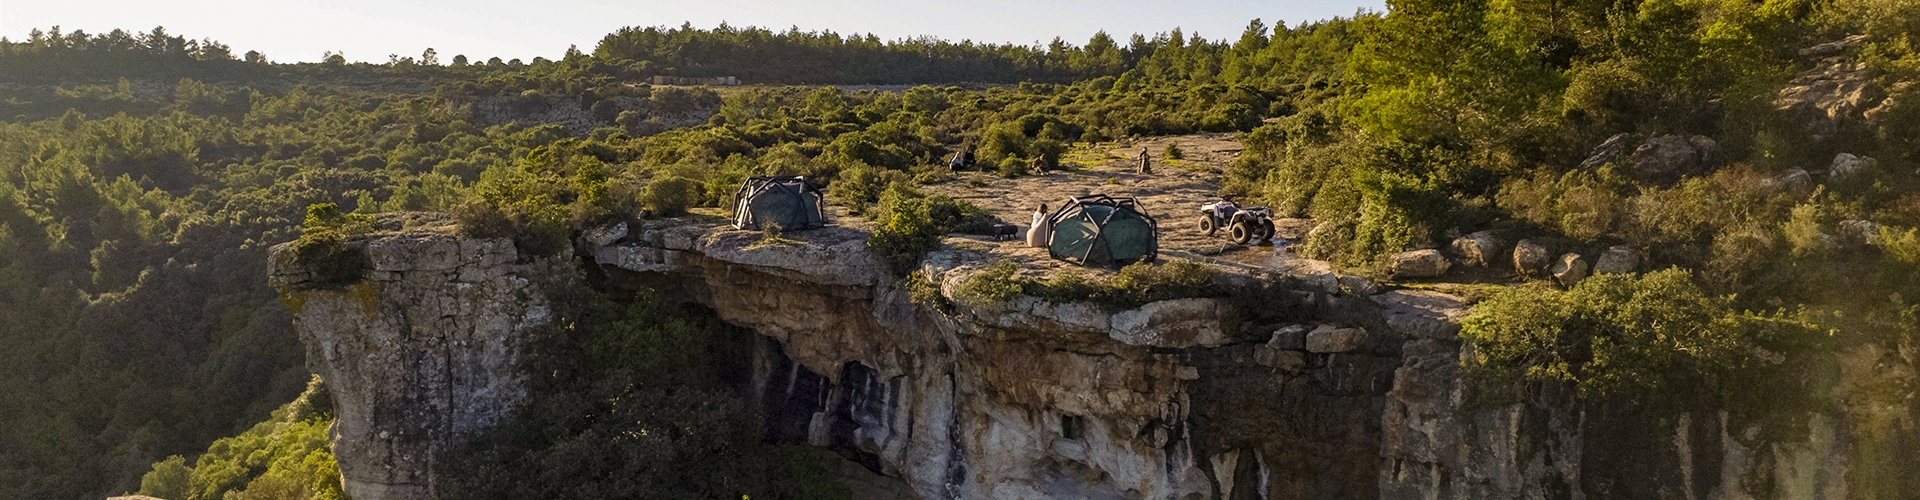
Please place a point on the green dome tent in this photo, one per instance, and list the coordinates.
(785, 200)
(1099, 230)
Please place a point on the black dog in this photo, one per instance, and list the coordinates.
(1004, 231)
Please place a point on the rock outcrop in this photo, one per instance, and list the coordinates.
(1479, 249)
(1619, 259)
(1668, 157)
(1530, 257)
(419, 352)
(1034, 399)
(1846, 165)
(1830, 93)
(1419, 264)
(1569, 269)
(1310, 390)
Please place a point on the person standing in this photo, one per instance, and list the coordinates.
(1146, 163)
(1040, 233)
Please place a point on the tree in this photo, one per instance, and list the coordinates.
(430, 57)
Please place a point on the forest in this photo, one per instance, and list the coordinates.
(144, 175)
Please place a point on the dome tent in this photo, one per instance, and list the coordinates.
(785, 200)
(1100, 230)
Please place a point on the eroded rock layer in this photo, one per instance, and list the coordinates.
(1324, 387)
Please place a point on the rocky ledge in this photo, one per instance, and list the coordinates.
(1319, 386)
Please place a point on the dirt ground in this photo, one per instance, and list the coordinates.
(1172, 193)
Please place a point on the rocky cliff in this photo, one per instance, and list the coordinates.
(419, 352)
(1320, 387)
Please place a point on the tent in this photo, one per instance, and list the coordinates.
(1100, 230)
(785, 200)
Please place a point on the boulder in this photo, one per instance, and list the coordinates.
(1669, 157)
(1280, 359)
(1329, 339)
(1529, 257)
(1419, 264)
(1569, 270)
(1854, 233)
(1607, 152)
(1828, 94)
(1710, 153)
(606, 235)
(1833, 47)
(1846, 165)
(1357, 285)
(1478, 249)
(1620, 259)
(1290, 337)
(1794, 180)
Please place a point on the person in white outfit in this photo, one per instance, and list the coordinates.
(1040, 233)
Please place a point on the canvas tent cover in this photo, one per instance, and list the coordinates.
(785, 200)
(1099, 230)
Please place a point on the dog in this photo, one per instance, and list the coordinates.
(1003, 231)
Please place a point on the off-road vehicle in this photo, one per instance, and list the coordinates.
(1244, 225)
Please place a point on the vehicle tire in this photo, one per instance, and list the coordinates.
(1206, 225)
(1266, 230)
(1242, 232)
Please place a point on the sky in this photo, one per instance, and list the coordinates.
(370, 30)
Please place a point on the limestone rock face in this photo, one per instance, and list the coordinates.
(1829, 94)
(1186, 398)
(1607, 152)
(419, 353)
(1569, 269)
(1329, 339)
(1478, 249)
(1668, 157)
(1855, 233)
(1620, 259)
(1029, 398)
(1530, 257)
(1795, 180)
(1846, 165)
(1419, 264)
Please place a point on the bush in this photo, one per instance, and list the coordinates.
(861, 186)
(911, 224)
(1173, 152)
(1013, 166)
(670, 196)
(906, 230)
(1618, 336)
(994, 285)
(322, 244)
(285, 457)
(1135, 285)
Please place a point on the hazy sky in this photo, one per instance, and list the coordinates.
(369, 30)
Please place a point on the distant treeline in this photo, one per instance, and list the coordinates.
(755, 55)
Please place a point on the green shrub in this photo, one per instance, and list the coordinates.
(1013, 167)
(170, 479)
(1618, 336)
(322, 244)
(670, 196)
(1135, 285)
(994, 285)
(922, 290)
(285, 457)
(905, 231)
(1002, 140)
(911, 223)
(1173, 152)
(860, 187)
